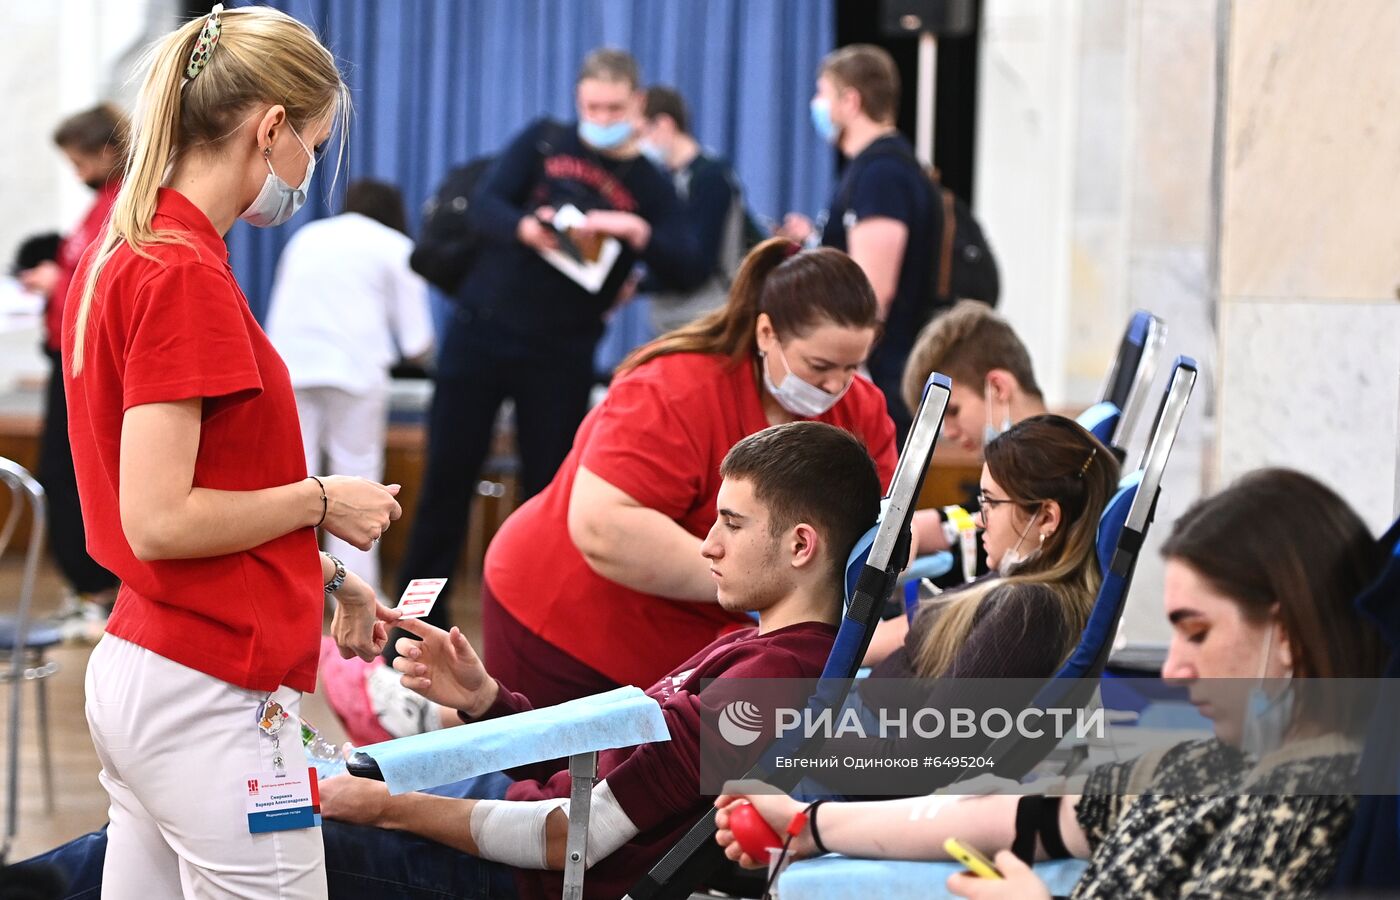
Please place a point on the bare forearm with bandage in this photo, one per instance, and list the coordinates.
(528, 834)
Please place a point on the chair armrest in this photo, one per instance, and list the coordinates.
(624, 717)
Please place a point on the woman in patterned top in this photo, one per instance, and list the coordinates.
(1259, 583)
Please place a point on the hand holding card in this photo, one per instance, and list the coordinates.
(584, 254)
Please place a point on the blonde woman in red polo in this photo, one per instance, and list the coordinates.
(193, 482)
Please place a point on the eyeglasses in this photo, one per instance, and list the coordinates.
(985, 502)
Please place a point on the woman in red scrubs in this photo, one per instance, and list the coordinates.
(598, 581)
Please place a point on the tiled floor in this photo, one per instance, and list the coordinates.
(80, 804)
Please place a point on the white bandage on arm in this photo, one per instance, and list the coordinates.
(609, 826)
(513, 831)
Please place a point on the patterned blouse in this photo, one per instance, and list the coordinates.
(1198, 821)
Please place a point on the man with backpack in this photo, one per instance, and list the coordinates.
(714, 207)
(887, 212)
(526, 319)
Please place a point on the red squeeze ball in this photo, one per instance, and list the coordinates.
(754, 835)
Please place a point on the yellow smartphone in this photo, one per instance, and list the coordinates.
(976, 863)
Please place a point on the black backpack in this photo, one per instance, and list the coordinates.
(964, 268)
(962, 265)
(447, 244)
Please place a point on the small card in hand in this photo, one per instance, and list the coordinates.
(420, 595)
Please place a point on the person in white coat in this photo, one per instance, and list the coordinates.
(345, 308)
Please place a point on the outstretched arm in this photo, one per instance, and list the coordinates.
(898, 829)
(529, 834)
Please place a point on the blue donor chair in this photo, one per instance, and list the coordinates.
(1131, 376)
(1135, 503)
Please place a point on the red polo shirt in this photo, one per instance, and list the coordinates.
(173, 328)
(659, 435)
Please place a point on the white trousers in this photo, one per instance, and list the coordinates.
(347, 431)
(176, 748)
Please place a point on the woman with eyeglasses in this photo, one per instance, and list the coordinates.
(1045, 482)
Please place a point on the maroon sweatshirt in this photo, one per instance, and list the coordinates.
(658, 785)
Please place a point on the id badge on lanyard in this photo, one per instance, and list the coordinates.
(280, 799)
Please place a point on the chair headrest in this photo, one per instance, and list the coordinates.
(1101, 420)
(1138, 326)
(1109, 602)
(1114, 517)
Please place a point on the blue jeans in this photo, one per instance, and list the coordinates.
(361, 860)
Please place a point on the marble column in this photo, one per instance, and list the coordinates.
(1093, 183)
(1309, 245)
(1173, 51)
(1027, 109)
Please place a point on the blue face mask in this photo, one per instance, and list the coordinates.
(278, 201)
(604, 137)
(1266, 719)
(653, 153)
(821, 120)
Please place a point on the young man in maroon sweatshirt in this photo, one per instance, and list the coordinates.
(794, 500)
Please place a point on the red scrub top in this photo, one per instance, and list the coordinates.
(659, 435)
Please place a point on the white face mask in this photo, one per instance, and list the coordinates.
(992, 432)
(797, 396)
(654, 153)
(1012, 557)
(278, 201)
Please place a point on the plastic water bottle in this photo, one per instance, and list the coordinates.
(326, 758)
(317, 747)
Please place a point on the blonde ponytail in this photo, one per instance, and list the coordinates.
(262, 56)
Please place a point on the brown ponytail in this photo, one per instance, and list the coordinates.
(797, 289)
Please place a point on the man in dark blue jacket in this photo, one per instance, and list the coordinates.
(521, 327)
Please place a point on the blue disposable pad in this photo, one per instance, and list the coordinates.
(934, 565)
(838, 878)
(624, 717)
